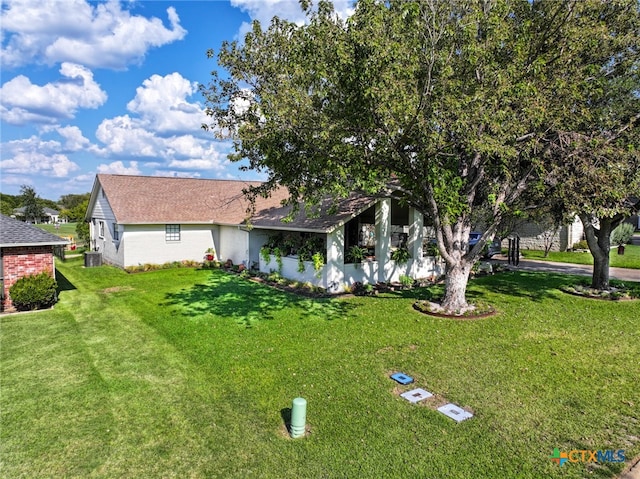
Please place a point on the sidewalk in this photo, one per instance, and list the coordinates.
(622, 274)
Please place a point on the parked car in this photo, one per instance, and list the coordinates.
(490, 249)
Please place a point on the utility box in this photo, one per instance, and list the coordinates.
(92, 259)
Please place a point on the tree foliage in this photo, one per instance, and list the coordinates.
(455, 105)
(31, 202)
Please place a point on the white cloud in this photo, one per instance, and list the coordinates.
(75, 140)
(100, 36)
(35, 162)
(24, 102)
(124, 135)
(265, 10)
(118, 168)
(176, 174)
(163, 125)
(161, 103)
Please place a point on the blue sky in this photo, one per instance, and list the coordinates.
(111, 87)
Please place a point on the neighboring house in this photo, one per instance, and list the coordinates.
(48, 215)
(532, 236)
(24, 250)
(136, 220)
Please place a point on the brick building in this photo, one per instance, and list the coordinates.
(24, 250)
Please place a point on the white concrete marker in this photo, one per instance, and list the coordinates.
(455, 412)
(416, 395)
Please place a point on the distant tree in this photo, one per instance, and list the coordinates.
(29, 199)
(8, 203)
(77, 212)
(455, 103)
(73, 200)
(82, 232)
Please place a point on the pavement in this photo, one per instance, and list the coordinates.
(622, 274)
(633, 472)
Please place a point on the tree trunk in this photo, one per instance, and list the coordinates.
(457, 277)
(600, 277)
(598, 240)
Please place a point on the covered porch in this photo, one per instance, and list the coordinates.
(376, 231)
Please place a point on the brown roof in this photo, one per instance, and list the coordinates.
(321, 220)
(162, 200)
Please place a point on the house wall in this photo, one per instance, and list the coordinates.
(337, 278)
(21, 261)
(112, 250)
(140, 244)
(234, 245)
(532, 236)
(257, 238)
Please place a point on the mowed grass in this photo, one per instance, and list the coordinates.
(63, 229)
(190, 373)
(630, 258)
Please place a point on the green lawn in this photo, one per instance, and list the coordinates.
(189, 373)
(630, 258)
(65, 229)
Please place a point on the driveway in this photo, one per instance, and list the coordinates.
(622, 274)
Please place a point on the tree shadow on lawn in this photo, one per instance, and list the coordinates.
(534, 286)
(228, 296)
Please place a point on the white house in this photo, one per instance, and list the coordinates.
(136, 220)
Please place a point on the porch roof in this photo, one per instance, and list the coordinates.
(322, 220)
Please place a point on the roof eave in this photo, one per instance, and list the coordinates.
(15, 245)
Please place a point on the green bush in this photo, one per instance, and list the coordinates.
(622, 234)
(582, 244)
(35, 291)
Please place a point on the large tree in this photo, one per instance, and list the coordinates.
(453, 104)
(597, 159)
(31, 202)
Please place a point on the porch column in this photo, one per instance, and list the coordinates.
(334, 269)
(383, 237)
(414, 244)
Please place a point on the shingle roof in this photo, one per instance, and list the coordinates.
(45, 210)
(18, 233)
(323, 221)
(165, 200)
(157, 200)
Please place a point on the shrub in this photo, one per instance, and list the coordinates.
(35, 291)
(406, 281)
(431, 249)
(582, 244)
(622, 234)
(401, 255)
(355, 254)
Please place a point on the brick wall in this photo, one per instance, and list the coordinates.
(21, 261)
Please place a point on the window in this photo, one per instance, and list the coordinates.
(116, 233)
(172, 232)
(101, 229)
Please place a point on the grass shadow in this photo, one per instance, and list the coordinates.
(228, 296)
(285, 413)
(63, 283)
(534, 286)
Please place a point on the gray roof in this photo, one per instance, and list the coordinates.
(18, 233)
(45, 210)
